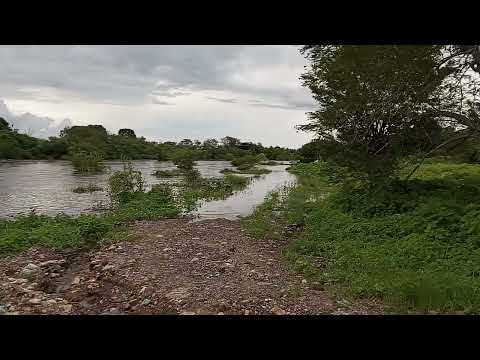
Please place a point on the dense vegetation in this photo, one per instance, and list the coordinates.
(388, 199)
(414, 244)
(94, 139)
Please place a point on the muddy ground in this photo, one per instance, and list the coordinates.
(167, 267)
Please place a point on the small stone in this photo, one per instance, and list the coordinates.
(195, 259)
(111, 247)
(76, 280)
(220, 313)
(246, 312)
(50, 302)
(304, 281)
(278, 311)
(159, 236)
(54, 275)
(167, 249)
(195, 238)
(108, 267)
(67, 308)
(146, 302)
(3, 309)
(188, 313)
(29, 270)
(35, 301)
(47, 263)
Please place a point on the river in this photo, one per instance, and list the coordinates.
(46, 186)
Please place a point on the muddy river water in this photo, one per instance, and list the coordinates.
(46, 186)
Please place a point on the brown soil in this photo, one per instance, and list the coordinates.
(169, 267)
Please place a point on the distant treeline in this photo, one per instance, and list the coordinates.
(125, 144)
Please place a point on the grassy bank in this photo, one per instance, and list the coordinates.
(130, 203)
(415, 244)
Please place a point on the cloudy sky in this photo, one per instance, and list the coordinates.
(162, 92)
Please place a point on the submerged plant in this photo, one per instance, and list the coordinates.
(89, 188)
(85, 162)
(122, 184)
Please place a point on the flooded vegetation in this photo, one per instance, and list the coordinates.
(48, 186)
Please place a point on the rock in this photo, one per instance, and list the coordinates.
(50, 302)
(167, 249)
(48, 263)
(146, 302)
(54, 275)
(188, 313)
(278, 311)
(67, 308)
(35, 301)
(108, 268)
(3, 309)
(246, 312)
(76, 280)
(29, 270)
(220, 313)
(304, 281)
(178, 294)
(195, 259)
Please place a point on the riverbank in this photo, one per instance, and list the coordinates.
(413, 245)
(170, 266)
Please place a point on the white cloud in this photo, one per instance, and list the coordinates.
(246, 91)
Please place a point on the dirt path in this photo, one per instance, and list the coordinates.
(169, 267)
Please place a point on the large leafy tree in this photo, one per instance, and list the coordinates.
(373, 103)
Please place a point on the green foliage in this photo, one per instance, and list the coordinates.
(415, 244)
(89, 188)
(58, 232)
(96, 139)
(87, 162)
(248, 160)
(372, 103)
(184, 159)
(124, 184)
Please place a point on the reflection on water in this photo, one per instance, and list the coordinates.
(46, 186)
(243, 202)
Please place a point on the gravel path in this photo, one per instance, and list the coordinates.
(168, 267)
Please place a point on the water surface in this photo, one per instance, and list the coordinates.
(46, 186)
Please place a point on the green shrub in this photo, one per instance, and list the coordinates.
(123, 184)
(414, 244)
(184, 159)
(87, 162)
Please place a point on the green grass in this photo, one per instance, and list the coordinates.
(86, 189)
(415, 244)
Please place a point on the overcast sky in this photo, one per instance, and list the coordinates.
(161, 92)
